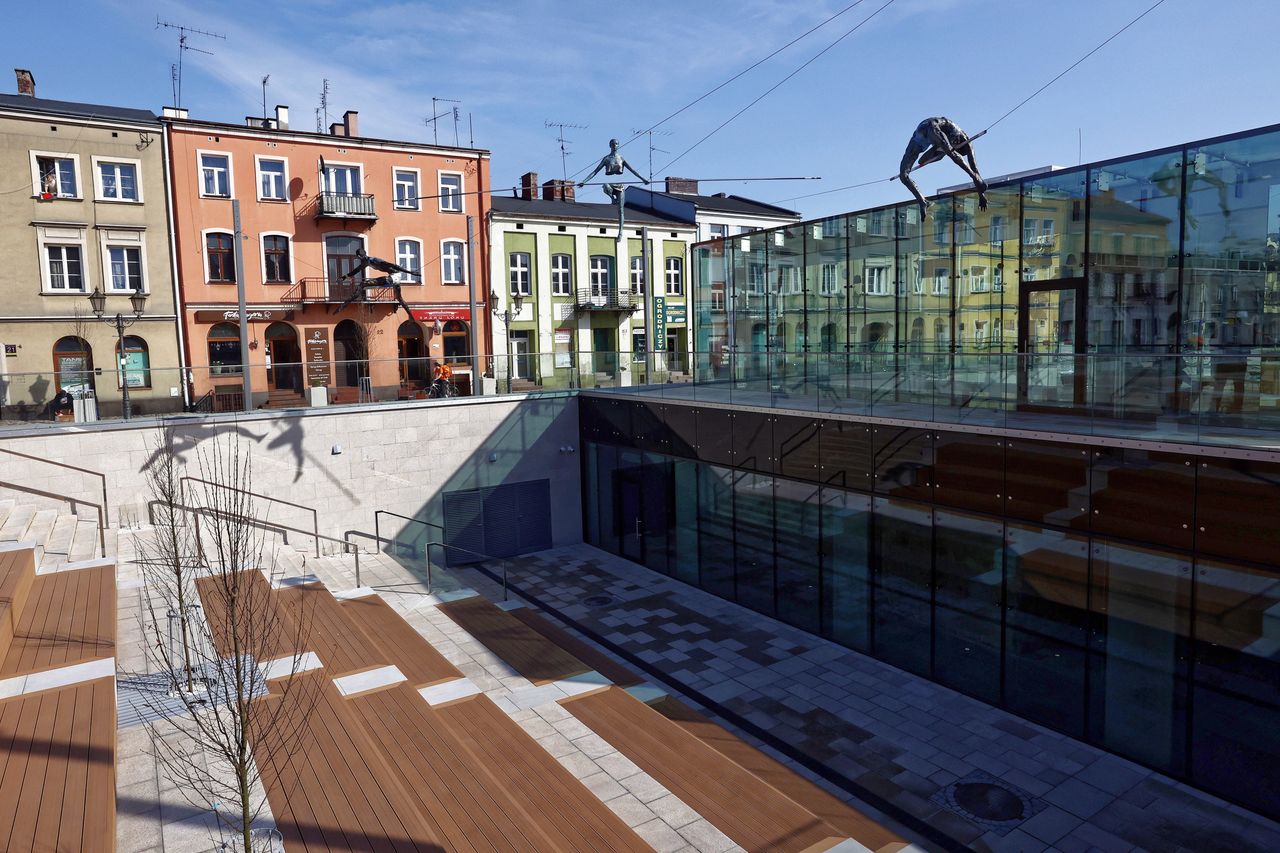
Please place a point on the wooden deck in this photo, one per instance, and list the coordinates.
(67, 618)
(398, 642)
(748, 809)
(588, 654)
(525, 650)
(17, 574)
(274, 637)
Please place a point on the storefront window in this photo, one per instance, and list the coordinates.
(457, 346)
(137, 367)
(224, 350)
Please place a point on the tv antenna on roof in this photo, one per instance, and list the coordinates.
(183, 47)
(650, 133)
(324, 106)
(435, 116)
(564, 152)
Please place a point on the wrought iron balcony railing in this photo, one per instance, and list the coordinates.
(346, 205)
(598, 299)
(320, 289)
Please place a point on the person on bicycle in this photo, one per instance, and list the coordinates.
(442, 385)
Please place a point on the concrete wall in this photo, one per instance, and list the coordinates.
(398, 457)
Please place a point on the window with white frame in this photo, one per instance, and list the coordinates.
(407, 192)
(451, 192)
(637, 274)
(215, 175)
(998, 224)
(876, 227)
(978, 279)
(601, 270)
(675, 276)
(341, 179)
(561, 275)
(55, 176)
(276, 267)
(997, 278)
(876, 280)
(941, 231)
(118, 181)
(941, 281)
(518, 266)
(717, 299)
(829, 284)
(272, 180)
(967, 230)
(65, 267)
(219, 257)
(789, 279)
(451, 270)
(755, 278)
(409, 256)
(124, 270)
(718, 231)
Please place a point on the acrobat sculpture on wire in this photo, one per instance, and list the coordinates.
(613, 164)
(364, 285)
(934, 139)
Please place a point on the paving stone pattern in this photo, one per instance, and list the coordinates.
(897, 735)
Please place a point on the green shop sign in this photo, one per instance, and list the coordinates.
(659, 324)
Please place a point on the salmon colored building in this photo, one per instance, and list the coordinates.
(309, 202)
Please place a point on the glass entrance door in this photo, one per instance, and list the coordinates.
(1051, 371)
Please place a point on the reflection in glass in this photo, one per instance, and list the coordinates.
(715, 529)
(684, 550)
(903, 569)
(754, 508)
(846, 575)
(796, 537)
(968, 579)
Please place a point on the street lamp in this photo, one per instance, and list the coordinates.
(138, 299)
(506, 315)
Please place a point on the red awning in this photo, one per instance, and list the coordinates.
(441, 313)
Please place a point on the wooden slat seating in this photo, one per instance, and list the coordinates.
(67, 618)
(525, 650)
(589, 655)
(17, 574)
(342, 647)
(274, 637)
(395, 638)
(847, 821)
(748, 809)
(57, 769)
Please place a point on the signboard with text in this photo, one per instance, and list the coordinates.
(255, 315)
(659, 323)
(316, 344)
(441, 313)
(677, 314)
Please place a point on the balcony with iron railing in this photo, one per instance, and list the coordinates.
(320, 289)
(606, 299)
(345, 206)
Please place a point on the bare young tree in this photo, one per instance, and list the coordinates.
(237, 698)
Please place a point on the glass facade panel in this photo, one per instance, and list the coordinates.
(1047, 610)
(968, 471)
(903, 461)
(715, 529)
(754, 508)
(797, 537)
(796, 449)
(1046, 482)
(1051, 230)
(968, 591)
(684, 540)
(1143, 495)
(715, 435)
(986, 257)
(847, 459)
(753, 441)
(791, 329)
(606, 466)
(1232, 496)
(846, 573)
(903, 548)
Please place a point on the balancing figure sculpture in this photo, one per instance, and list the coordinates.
(613, 164)
(364, 261)
(934, 139)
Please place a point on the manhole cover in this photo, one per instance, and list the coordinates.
(988, 801)
(597, 600)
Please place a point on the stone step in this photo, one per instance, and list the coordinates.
(6, 507)
(59, 540)
(39, 529)
(17, 522)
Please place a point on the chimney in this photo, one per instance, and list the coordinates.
(557, 190)
(282, 117)
(174, 112)
(26, 82)
(351, 121)
(337, 129)
(529, 186)
(682, 186)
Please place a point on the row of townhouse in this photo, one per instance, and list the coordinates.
(123, 216)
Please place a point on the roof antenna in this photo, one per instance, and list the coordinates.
(264, 96)
(650, 132)
(324, 107)
(183, 47)
(435, 136)
(564, 152)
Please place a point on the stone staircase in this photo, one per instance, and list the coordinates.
(59, 536)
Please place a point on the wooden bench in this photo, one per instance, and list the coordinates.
(525, 650)
(745, 807)
(57, 769)
(272, 637)
(330, 633)
(397, 640)
(67, 618)
(17, 574)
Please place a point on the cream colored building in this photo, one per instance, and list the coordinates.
(84, 208)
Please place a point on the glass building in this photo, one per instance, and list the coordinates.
(1120, 590)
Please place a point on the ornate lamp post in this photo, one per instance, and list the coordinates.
(138, 299)
(506, 315)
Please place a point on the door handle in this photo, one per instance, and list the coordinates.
(638, 532)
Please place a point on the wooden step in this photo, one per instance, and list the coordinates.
(523, 649)
(67, 618)
(589, 655)
(17, 574)
(397, 640)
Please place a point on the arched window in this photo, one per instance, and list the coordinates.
(73, 364)
(411, 352)
(224, 350)
(137, 362)
(351, 350)
(456, 341)
(828, 340)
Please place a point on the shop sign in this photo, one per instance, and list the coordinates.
(677, 314)
(564, 337)
(659, 323)
(255, 315)
(441, 313)
(316, 343)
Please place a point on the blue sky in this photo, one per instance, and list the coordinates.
(1189, 69)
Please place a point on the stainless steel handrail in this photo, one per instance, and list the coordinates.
(349, 546)
(102, 526)
(377, 526)
(106, 509)
(315, 516)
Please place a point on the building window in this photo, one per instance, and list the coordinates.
(941, 281)
(73, 365)
(409, 256)
(118, 182)
(457, 344)
(125, 271)
(877, 223)
(342, 180)
(451, 262)
(877, 283)
(407, 193)
(755, 278)
(829, 283)
(978, 280)
(601, 268)
(788, 279)
(521, 283)
(66, 273)
(941, 231)
(219, 257)
(275, 257)
(637, 274)
(451, 192)
(998, 278)
(675, 276)
(638, 346)
(998, 229)
(224, 350)
(718, 231)
(215, 175)
(137, 362)
(57, 176)
(561, 275)
(717, 299)
(966, 230)
(272, 180)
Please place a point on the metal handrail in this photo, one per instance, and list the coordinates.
(106, 509)
(487, 557)
(315, 516)
(377, 526)
(102, 526)
(283, 528)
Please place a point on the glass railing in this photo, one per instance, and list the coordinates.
(1231, 399)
